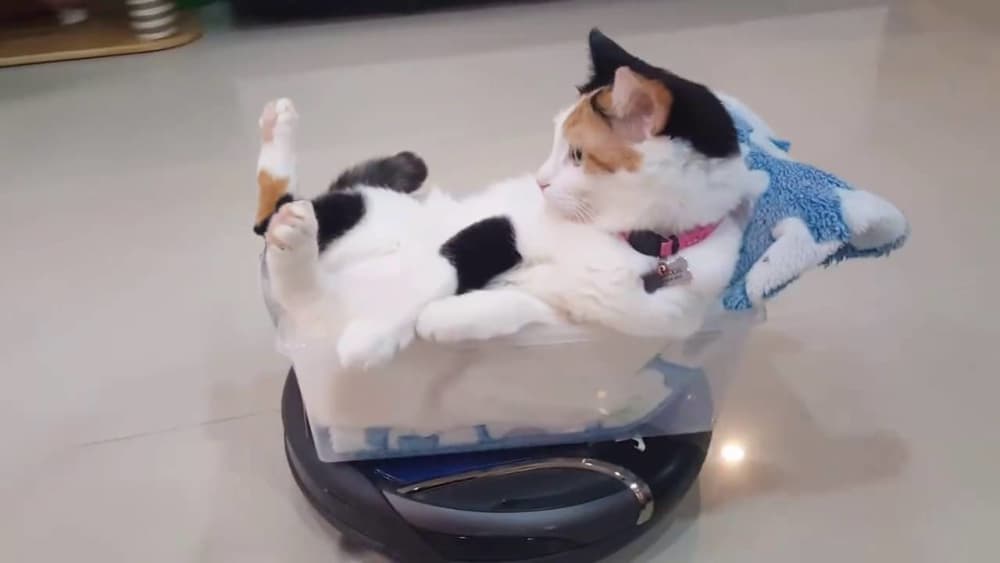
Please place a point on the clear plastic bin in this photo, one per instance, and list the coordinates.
(546, 385)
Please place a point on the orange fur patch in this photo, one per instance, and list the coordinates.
(267, 122)
(604, 152)
(271, 190)
(591, 130)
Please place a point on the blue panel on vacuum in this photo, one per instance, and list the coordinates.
(415, 469)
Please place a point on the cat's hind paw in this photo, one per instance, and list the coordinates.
(292, 252)
(293, 227)
(279, 116)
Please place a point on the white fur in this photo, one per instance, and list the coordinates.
(292, 255)
(278, 156)
(873, 221)
(461, 318)
(798, 251)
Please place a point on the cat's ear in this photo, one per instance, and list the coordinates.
(605, 57)
(639, 106)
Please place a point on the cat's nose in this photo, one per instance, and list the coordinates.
(541, 185)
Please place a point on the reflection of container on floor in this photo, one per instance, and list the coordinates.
(152, 19)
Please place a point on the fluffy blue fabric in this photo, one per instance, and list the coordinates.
(804, 218)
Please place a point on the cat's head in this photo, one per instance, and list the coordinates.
(641, 148)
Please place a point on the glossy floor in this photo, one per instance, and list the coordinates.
(138, 418)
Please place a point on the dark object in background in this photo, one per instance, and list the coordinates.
(17, 11)
(20, 10)
(272, 10)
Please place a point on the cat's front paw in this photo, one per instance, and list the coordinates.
(367, 344)
(456, 320)
(682, 311)
(293, 226)
(437, 323)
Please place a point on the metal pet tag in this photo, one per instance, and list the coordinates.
(671, 272)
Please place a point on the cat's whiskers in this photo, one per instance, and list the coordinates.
(570, 207)
(583, 212)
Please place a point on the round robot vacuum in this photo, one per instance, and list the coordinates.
(568, 503)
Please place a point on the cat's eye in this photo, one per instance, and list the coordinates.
(576, 155)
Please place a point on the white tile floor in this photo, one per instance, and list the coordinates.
(138, 420)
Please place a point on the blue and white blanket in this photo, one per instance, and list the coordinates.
(805, 217)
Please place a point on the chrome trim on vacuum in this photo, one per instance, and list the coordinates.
(639, 489)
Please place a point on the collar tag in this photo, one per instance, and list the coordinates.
(667, 273)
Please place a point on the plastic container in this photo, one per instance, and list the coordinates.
(545, 385)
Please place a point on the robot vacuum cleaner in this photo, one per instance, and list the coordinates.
(567, 503)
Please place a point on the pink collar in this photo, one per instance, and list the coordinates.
(654, 244)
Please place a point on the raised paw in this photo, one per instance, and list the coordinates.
(279, 116)
(293, 226)
(367, 344)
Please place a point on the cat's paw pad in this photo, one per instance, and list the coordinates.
(278, 116)
(293, 226)
(366, 344)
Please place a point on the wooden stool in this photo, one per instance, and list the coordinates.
(119, 28)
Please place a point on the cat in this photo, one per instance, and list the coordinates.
(641, 149)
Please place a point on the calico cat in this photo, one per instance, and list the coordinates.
(641, 149)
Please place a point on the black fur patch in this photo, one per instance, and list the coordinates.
(404, 172)
(481, 252)
(696, 115)
(261, 228)
(337, 213)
